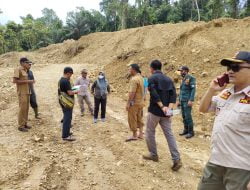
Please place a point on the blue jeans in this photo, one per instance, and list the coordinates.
(67, 118)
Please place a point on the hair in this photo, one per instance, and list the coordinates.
(156, 65)
(136, 67)
(84, 71)
(68, 70)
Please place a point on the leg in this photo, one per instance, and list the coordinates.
(152, 122)
(140, 122)
(185, 131)
(165, 124)
(88, 102)
(97, 105)
(81, 104)
(103, 107)
(212, 178)
(33, 104)
(236, 178)
(23, 110)
(132, 121)
(188, 118)
(67, 118)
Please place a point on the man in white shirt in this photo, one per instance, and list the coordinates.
(229, 165)
(84, 94)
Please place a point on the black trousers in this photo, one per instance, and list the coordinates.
(33, 102)
(103, 102)
(67, 118)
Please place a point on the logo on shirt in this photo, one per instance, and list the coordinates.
(245, 100)
(225, 95)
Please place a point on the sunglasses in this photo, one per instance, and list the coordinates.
(235, 67)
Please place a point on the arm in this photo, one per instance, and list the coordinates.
(18, 81)
(193, 89)
(172, 97)
(108, 88)
(206, 100)
(77, 82)
(93, 87)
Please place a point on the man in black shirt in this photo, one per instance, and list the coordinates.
(65, 87)
(33, 101)
(162, 99)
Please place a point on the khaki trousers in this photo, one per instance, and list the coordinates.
(81, 100)
(23, 109)
(135, 117)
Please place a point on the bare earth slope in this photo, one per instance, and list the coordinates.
(100, 159)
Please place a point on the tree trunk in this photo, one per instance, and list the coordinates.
(198, 10)
(124, 14)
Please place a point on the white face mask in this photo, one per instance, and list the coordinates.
(100, 76)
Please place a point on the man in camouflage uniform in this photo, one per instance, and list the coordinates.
(186, 99)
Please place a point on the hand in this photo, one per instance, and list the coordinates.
(178, 103)
(76, 92)
(248, 186)
(214, 86)
(190, 103)
(165, 109)
(31, 81)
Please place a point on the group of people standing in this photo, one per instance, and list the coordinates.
(228, 166)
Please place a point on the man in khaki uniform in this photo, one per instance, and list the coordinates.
(20, 78)
(135, 103)
(229, 165)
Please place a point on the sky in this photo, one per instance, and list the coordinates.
(13, 9)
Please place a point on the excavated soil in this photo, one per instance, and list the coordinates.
(100, 159)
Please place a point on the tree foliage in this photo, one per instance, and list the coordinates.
(113, 15)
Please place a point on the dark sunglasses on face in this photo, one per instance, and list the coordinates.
(235, 67)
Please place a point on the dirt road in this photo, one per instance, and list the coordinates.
(99, 159)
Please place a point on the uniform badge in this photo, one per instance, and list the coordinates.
(225, 95)
(187, 81)
(245, 100)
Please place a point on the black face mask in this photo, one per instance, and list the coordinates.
(183, 75)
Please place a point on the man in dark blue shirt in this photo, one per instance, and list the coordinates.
(162, 99)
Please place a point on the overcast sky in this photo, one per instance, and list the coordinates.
(13, 9)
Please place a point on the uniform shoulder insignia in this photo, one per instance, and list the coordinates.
(245, 100)
(225, 95)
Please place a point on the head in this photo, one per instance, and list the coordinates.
(84, 73)
(134, 69)
(68, 72)
(155, 65)
(238, 68)
(101, 75)
(24, 62)
(183, 70)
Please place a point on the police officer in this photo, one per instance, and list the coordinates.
(33, 101)
(186, 99)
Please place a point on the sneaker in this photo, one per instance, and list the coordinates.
(95, 120)
(103, 119)
(177, 165)
(150, 157)
(27, 127)
(189, 135)
(69, 138)
(22, 129)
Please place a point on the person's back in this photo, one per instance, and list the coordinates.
(164, 87)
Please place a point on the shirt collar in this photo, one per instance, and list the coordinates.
(245, 91)
(157, 71)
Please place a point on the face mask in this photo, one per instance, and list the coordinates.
(101, 77)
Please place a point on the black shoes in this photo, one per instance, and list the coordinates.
(183, 133)
(150, 157)
(23, 129)
(177, 165)
(189, 135)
